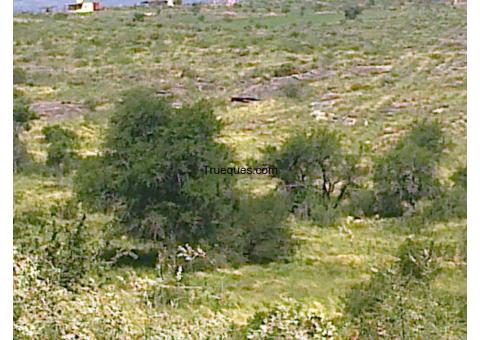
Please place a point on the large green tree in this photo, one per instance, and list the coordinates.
(153, 166)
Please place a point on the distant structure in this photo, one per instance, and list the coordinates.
(229, 3)
(157, 3)
(83, 7)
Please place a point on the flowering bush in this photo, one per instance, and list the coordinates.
(290, 321)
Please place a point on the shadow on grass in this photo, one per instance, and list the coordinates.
(134, 258)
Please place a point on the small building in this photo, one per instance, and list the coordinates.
(158, 3)
(82, 6)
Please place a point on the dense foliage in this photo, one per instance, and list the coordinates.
(153, 164)
(290, 321)
(408, 172)
(22, 117)
(61, 241)
(316, 171)
(398, 302)
(451, 200)
(260, 234)
(154, 167)
(62, 145)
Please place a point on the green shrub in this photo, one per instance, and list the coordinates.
(19, 75)
(60, 16)
(260, 232)
(20, 154)
(417, 259)
(62, 145)
(289, 321)
(153, 164)
(314, 169)
(362, 203)
(22, 117)
(399, 302)
(322, 211)
(291, 91)
(352, 12)
(451, 201)
(138, 17)
(294, 90)
(459, 178)
(44, 310)
(285, 70)
(62, 242)
(22, 113)
(196, 8)
(407, 172)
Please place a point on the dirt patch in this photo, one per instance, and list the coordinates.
(270, 88)
(58, 109)
(372, 69)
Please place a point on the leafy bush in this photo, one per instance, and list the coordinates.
(22, 113)
(153, 164)
(294, 90)
(315, 170)
(20, 154)
(285, 70)
(459, 178)
(62, 145)
(19, 75)
(407, 172)
(398, 302)
(352, 12)
(451, 201)
(289, 321)
(362, 203)
(322, 211)
(260, 233)
(22, 117)
(138, 17)
(44, 310)
(62, 242)
(418, 260)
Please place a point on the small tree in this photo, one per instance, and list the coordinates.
(153, 164)
(407, 173)
(22, 117)
(62, 145)
(314, 166)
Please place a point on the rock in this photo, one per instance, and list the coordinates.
(319, 115)
(439, 110)
(349, 121)
(375, 69)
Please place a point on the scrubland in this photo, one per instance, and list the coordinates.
(369, 79)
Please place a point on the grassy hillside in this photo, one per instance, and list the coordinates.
(368, 78)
